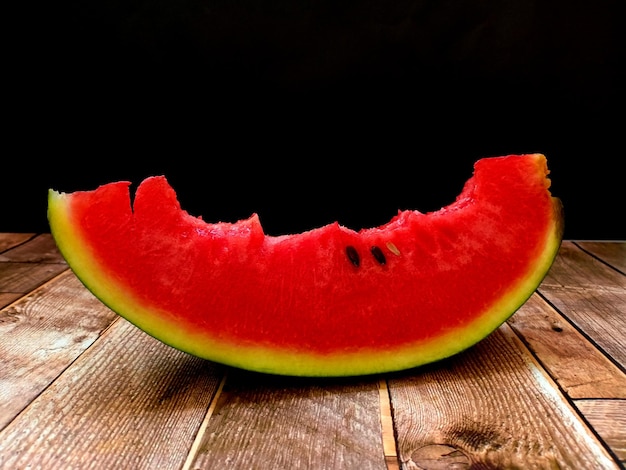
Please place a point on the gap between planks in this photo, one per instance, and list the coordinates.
(198, 440)
(386, 420)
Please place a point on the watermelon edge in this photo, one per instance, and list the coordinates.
(288, 362)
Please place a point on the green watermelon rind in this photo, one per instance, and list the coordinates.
(287, 361)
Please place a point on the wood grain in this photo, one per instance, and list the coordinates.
(490, 407)
(7, 297)
(9, 240)
(39, 249)
(41, 335)
(613, 253)
(21, 278)
(592, 296)
(608, 417)
(28, 264)
(129, 402)
(265, 422)
(579, 368)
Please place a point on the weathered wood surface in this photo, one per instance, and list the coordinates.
(294, 423)
(41, 335)
(592, 295)
(614, 254)
(10, 240)
(26, 262)
(81, 388)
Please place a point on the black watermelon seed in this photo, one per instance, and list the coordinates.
(353, 255)
(378, 254)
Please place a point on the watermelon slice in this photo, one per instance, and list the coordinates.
(326, 302)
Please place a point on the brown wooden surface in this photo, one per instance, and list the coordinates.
(81, 388)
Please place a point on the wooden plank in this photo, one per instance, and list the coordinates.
(608, 418)
(9, 240)
(7, 297)
(129, 402)
(592, 296)
(490, 407)
(30, 262)
(579, 368)
(613, 253)
(263, 422)
(40, 249)
(21, 278)
(41, 335)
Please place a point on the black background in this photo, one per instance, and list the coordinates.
(310, 111)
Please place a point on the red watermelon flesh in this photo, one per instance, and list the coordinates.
(326, 302)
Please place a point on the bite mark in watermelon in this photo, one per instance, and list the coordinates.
(326, 302)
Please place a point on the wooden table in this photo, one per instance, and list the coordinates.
(81, 388)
